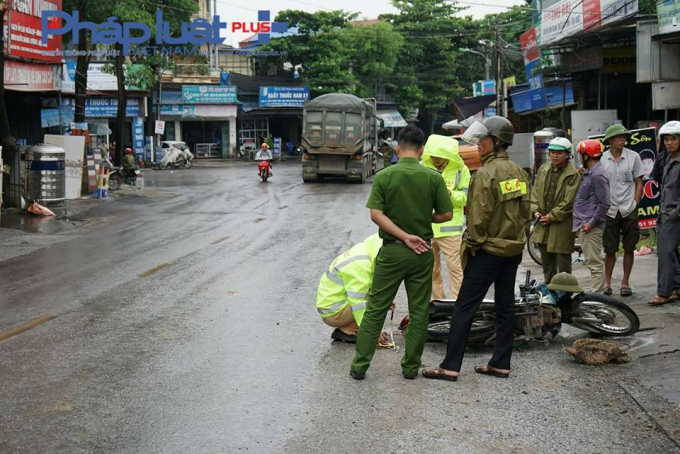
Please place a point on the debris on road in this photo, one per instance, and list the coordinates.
(596, 351)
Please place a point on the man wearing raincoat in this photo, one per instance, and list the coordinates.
(441, 154)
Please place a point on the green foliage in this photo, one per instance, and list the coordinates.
(373, 54)
(429, 65)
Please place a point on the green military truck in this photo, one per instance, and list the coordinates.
(339, 137)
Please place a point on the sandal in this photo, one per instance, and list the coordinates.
(438, 374)
(607, 291)
(488, 370)
(626, 291)
(661, 300)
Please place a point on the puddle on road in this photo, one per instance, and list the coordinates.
(31, 223)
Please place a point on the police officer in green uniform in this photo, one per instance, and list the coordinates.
(405, 199)
(498, 217)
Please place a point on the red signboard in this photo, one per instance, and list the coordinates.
(592, 14)
(20, 76)
(25, 31)
(529, 45)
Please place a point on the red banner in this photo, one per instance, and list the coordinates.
(529, 45)
(592, 14)
(20, 76)
(25, 37)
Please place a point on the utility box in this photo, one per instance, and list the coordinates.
(46, 173)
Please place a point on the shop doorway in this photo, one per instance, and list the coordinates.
(203, 137)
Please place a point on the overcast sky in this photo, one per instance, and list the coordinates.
(239, 11)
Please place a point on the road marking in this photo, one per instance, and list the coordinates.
(155, 269)
(25, 327)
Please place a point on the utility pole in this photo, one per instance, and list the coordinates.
(499, 76)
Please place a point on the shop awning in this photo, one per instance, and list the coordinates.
(392, 118)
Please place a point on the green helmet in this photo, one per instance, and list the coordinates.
(565, 282)
(615, 130)
(500, 128)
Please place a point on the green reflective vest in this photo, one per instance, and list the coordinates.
(348, 280)
(457, 178)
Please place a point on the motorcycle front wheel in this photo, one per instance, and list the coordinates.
(605, 315)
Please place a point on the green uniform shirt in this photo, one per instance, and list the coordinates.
(407, 193)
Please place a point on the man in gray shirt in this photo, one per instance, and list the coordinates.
(590, 210)
(668, 226)
(624, 171)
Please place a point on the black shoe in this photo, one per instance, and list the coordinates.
(343, 337)
(357, 375)
(409, 376)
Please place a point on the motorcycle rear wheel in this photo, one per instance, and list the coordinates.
(483, 327)
(616, 318)
(115, 182)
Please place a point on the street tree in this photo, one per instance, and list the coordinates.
(427, 77)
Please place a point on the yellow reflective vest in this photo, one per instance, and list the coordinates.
(457, 178)
(348, 280)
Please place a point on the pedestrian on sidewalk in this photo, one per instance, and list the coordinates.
(441, 154)
(624, 171)
(590, 210)
(668, 224)
(498, 217)
(402, 202)
(552, 203)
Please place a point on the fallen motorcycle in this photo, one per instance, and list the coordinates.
(539, 314)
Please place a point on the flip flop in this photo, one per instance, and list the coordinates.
(607, 291)
(486, 370)
(661, 300)
(438, 374)
(626, 291)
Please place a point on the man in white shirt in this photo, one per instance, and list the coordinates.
(624, 171)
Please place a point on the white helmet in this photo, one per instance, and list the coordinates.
(560, 144)
(670, 128)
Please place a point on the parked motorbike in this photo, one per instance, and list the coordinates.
(172, 158)
(539, 314)
(264, 169)
(188, 157)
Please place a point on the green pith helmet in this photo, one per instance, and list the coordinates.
(565, 282)
(615, 130)
(500, 128)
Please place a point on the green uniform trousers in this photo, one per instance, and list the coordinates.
(553, 263)
(396, 263)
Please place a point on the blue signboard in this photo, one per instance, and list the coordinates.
(283, 96)
(209, 94)
(277, 147)
(535, 80)
(138, 134)
(105, 107)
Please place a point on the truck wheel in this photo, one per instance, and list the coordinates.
(309, 179)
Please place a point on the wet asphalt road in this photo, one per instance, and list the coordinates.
(187, 324)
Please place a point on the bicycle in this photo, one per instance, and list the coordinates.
(535, 253)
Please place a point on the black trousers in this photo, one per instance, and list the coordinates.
(481, 271)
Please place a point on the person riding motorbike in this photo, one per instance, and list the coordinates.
(264, 154)
(128, 164)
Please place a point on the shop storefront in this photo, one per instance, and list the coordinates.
(203, 116)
